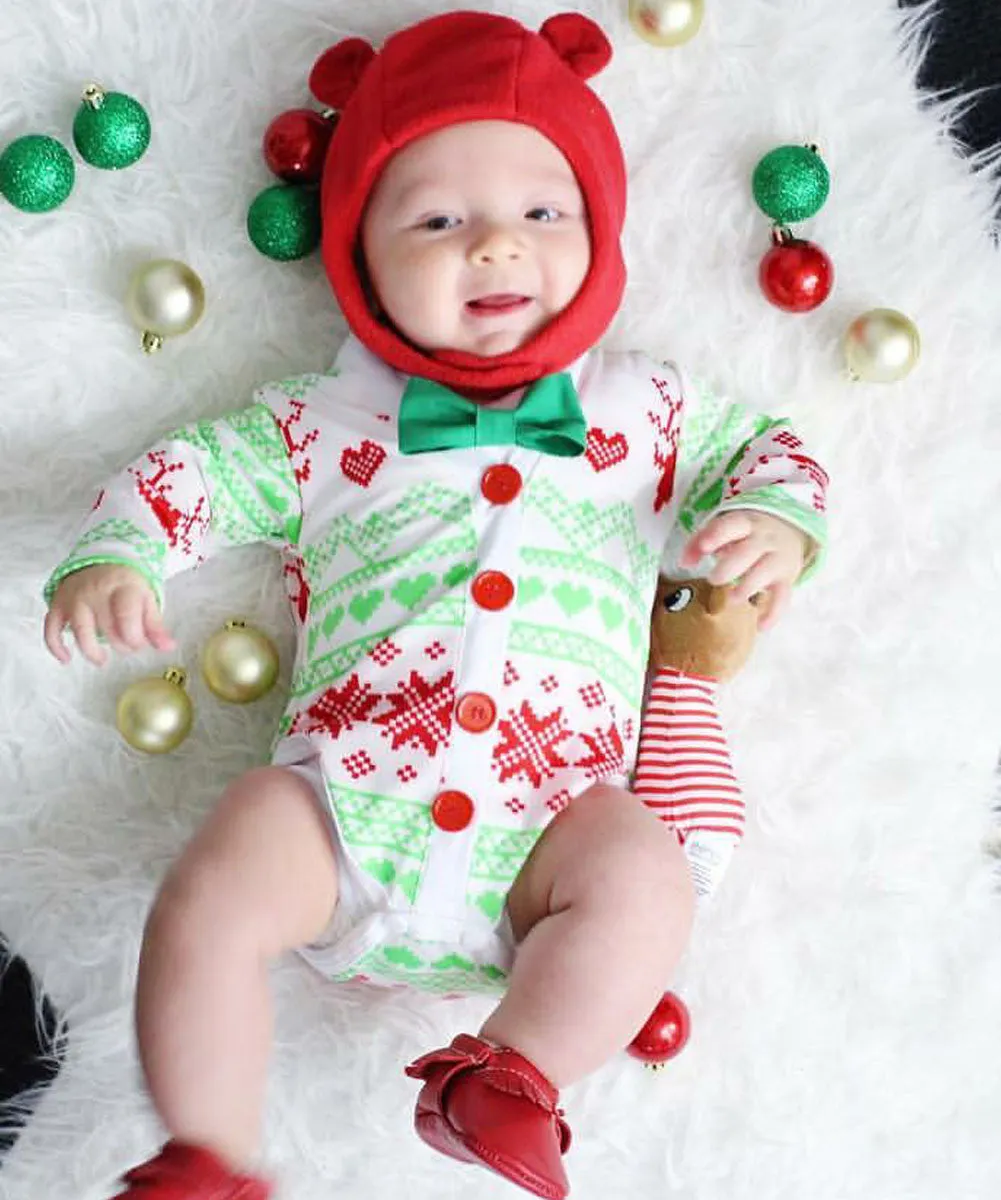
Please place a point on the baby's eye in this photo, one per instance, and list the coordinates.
(678, 600)
(545, 212)
(440, 223)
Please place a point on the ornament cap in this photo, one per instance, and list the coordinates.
(94, 96)
(176, 675)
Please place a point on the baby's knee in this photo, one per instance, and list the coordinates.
(195, 906)
(629, 854)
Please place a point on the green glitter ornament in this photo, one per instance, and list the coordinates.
(284, 222)
(791, 183)
(36, 173)
(111, 130)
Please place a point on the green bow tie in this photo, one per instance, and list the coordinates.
(549, 419)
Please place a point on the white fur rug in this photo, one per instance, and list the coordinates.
(846, 987)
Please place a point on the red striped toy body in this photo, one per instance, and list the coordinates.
(684, 772)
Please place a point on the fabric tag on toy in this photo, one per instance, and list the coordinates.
(708, 855)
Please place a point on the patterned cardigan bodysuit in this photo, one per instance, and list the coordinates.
(473, 625)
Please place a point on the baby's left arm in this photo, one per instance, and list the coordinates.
(755, 500)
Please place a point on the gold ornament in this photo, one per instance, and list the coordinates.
(666, 22)
(239, 663)
(165, 299)
(154, 715)
(881, 346)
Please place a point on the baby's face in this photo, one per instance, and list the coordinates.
(475, 237)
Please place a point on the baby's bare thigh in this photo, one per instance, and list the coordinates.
(261, 866)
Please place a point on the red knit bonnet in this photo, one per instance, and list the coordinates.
(470, 66)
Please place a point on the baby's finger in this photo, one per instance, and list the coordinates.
(156, 632)
(55, 623)
(761, 576)
(106, 624)
(84, 628)
(778, 601)
(719, 532)
(734, 561)
(126, 623)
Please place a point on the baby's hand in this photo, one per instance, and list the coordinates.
(755, 552)
(107, 599)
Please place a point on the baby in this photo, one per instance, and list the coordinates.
(473, 506)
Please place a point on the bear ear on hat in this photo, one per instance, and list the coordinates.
(579, 41)
(338, 71)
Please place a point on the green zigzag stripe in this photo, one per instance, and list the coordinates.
(254, 490)
(383, 963)
(385, 823)
(499, 854)
(370, 538)
(583, 524)
(299, 386)
(548, 642)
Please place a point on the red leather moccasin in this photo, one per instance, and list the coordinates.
(485, 1104)
(185, 1172)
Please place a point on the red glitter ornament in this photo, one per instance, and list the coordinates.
(795, 275)
(665, 1033)
(295, 144)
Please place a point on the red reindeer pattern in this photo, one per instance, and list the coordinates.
(778, 446)
(297, 587)
(184, 530)
(665, 447)
(301, 462)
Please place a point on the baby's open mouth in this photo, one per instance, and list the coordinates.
(497, 304)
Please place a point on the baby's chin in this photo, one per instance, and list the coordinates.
(492, 343)
(496, 343)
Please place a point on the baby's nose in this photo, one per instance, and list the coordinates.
(497, 243)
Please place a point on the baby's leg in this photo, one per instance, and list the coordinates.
(258, 878)
(604, 905)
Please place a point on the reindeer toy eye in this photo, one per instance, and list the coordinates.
(678, 600)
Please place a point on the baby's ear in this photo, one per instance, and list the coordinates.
(579, 42)
(338, 71)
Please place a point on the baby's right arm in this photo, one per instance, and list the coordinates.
(211, 485)
(110, 600)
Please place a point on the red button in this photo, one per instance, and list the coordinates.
(501, 483)
(452, 811)
(492, 590)
(475, 712)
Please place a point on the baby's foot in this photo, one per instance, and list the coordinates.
(185, 1172)
(488, 1104)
